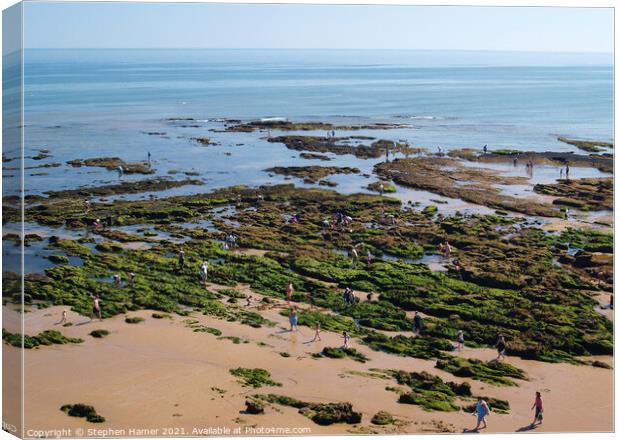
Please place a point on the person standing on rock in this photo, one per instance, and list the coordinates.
(501, 348)
(289, 291)
(460, 340)
(96, 308)
(181, 260)
(567, 171)
(417, 323)
(538, 405)
(204, 272)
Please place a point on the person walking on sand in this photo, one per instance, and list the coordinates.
(181, 261)
(538, 405)
(293, 319)
(482, 411)
(417, 323)
(204, 272)
(96, 308)
(501, 348)
(64, 317)
(346, 338)
(460, 340)
(317, 332)
(289, 291)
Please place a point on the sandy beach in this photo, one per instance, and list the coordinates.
(160, 375)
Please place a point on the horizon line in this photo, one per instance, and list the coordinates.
(331, 49)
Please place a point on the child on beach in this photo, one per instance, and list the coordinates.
(64, 317)
(346, 338)
(317, 332)
(482, 411)
(293, 319)
(538, 405)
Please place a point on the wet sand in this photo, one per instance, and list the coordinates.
(160, 374)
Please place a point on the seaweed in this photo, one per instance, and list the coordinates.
(254, 377)
(81, 410)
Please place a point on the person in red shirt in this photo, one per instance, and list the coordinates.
(538, 417)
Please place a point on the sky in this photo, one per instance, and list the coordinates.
(187, 25)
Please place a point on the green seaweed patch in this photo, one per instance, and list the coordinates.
(81, 410)
(417, 347)
(341, 353)
(161, 316)
(47, 337)
(492, 372)
(383, 418)
(100, 333)
(323, 414)
(134, 320)
(496, 405)
(430, 392)
(254, 377)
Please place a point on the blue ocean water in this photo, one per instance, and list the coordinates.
(92, 103)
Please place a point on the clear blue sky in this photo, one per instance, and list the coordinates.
(153, 25)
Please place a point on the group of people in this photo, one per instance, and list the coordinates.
(230, 241)
(445, 249)
(482, 411)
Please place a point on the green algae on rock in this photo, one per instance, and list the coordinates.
(586, 145)
(254, 377)
(320, 413)
(113, 163)
(81, 410)
(341, 352)
(47, 337)
(585, 194)
(493, 372)
(312, 174)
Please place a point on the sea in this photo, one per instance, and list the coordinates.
(82, 103)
